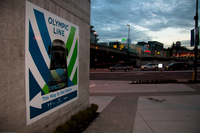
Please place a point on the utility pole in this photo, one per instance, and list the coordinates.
(128, 41)
(196, 43)
(95, 57)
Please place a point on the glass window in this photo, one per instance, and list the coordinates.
(58, 59)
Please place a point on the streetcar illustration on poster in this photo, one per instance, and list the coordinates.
(58, 77)
(51, 62)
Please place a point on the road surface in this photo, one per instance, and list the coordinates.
(137, 74)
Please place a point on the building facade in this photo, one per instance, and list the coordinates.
(155, 46)
(151, 47)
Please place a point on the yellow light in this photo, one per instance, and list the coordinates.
(114, 46)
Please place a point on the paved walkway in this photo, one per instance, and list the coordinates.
(145, 108)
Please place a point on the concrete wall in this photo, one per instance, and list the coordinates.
(12, 60)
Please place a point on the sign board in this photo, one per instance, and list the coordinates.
(194, 35)
(123, 39)
(51, 47)
(192, 42)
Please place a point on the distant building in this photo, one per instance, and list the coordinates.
(185, 54)
(142, 43)
(152, 47)
(178, 44)
(135, 48)
(155, 46)
(145, 47)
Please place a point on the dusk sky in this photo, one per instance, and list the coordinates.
(166, 21)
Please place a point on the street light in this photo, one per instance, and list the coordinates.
(128, 35)
(128, 40)
(95, 59)
(95, 35)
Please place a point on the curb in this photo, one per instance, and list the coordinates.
(165, 81)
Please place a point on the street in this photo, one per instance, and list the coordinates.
(137, 74)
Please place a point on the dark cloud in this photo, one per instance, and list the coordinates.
(110, 17)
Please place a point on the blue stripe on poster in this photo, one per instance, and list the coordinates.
(43, 29)
(37, 56)
(34, 86)
(52, 104)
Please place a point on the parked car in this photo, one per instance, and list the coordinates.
(177, 66)
(120, 66)
(149, 66)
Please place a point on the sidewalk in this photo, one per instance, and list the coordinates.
(168, 114)
(144, 108)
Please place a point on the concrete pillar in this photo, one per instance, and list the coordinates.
(13, 110)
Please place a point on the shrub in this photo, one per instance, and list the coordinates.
(94, 107)
(62, 129)
(79, 121)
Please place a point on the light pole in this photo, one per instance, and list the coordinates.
(196, 43)
(95, 58)
(95, 38)
(128, 35)
(128, 40)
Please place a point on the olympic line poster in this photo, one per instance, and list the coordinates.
(51, 47)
